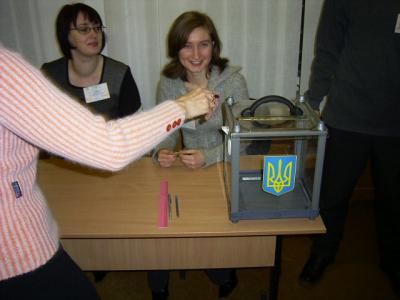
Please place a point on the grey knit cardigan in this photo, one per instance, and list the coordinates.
(203, 135)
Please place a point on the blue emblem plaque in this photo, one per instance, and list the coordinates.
(279, 174)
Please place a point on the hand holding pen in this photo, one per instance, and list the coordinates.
(192, 158)
(213, 102)
(166, 158)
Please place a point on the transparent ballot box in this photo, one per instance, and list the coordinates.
(273, 158)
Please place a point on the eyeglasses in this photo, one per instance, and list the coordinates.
(86, 29)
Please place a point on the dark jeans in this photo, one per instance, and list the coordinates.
(158, 279)
(60, 278)
(346, 157)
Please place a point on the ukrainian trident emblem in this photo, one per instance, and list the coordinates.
(279, 174)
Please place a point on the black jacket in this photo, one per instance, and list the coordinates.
(357, 64)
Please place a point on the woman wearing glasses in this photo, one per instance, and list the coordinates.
(105, 85)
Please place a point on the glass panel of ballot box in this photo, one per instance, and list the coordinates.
(273, 158)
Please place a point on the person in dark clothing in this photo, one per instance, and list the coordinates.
(357, 66)
(101, 83)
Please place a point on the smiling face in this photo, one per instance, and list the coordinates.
(196, 54)
(86, 44)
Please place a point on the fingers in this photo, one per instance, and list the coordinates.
(198, 102)
(212, 98)
(188, 152)
(195, 103)
(213, 104)
(212, 107)
(193, 159)
(165, 152)
(166, 158)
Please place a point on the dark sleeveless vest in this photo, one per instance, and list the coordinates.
(113, 74)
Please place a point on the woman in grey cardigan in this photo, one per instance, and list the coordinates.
(194, 48)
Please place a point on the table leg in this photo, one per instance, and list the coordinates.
(272, 293)
(182, 274)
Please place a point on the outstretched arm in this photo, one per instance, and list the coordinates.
(32, 108)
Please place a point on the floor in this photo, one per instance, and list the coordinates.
(355, 275)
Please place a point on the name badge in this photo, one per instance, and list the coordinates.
(397, 28)
(96, 92)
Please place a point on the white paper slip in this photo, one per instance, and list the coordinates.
(96, 92)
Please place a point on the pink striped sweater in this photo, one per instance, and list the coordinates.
(34, 114)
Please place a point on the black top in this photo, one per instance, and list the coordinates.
(124, 95)
(357, 63)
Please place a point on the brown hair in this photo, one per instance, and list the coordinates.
(67, 16)
(178, 36)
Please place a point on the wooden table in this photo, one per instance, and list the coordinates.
(109, 221)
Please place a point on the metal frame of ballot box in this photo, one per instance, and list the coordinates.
(305, 137)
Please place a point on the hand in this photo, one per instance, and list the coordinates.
(166, 158)
(193, 159)
(198, 102)
(191, 86)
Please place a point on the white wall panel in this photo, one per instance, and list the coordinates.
(311, 19)
(8, 25)
(28, 26)
(20, 29)
(133, 37)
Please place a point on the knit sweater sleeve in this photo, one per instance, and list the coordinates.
(32, 108)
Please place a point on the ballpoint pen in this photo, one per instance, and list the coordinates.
(169, 206)
(177, 205)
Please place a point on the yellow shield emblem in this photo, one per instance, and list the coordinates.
(279, 174)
